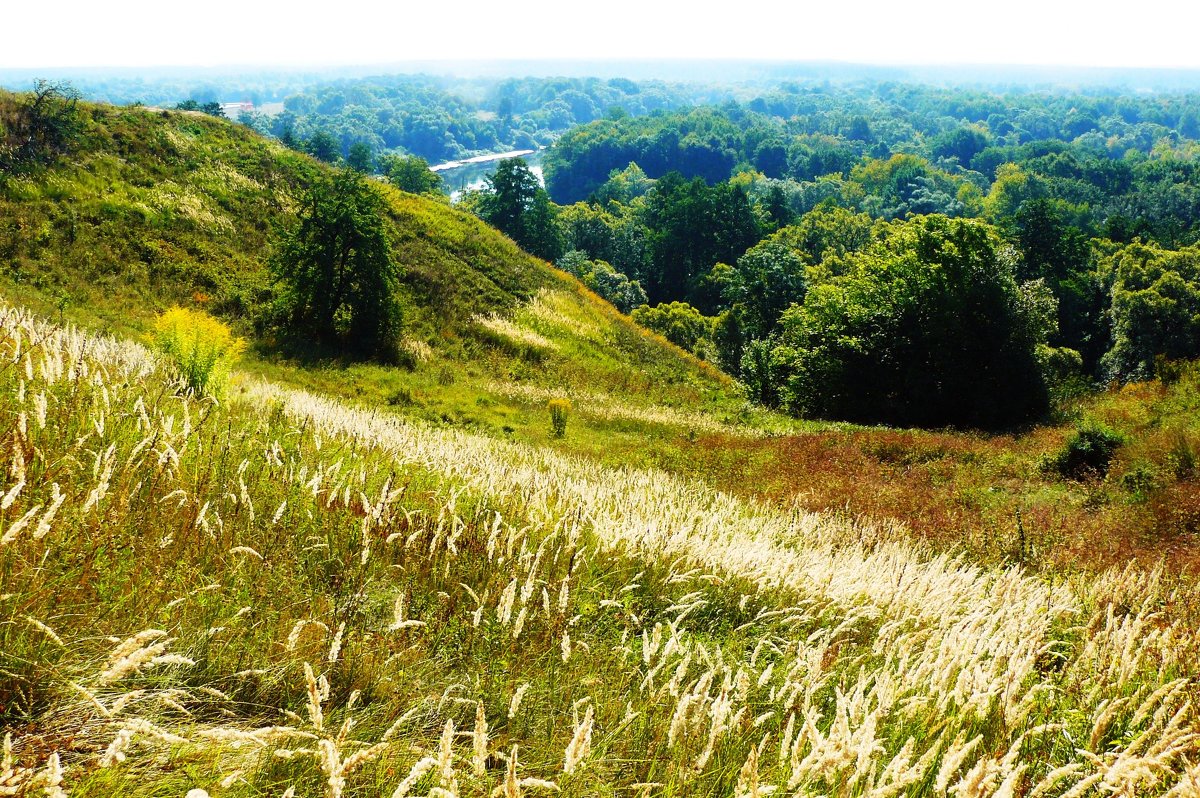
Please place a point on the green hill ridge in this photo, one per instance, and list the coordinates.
(151, 207)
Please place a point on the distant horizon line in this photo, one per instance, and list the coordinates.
(606, 61)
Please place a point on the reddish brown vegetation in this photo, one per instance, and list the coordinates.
(983, 496)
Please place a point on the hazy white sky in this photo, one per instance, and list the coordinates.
(215, 32)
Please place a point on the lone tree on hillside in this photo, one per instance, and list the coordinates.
(43, 126)
(324, 147)
(335, 271)
(360, 158)
(411, 173)
(515, 203)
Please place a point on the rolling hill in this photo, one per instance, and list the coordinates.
(348, 579)
(153, 207)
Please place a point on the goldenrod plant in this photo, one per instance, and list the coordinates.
(201, 349)
(560, 410)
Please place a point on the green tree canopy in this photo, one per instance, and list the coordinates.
(692, 227)
(360, 158)
(411, 173)
(515, 203)
(678, 322)
(1155, 308)
(324, 147)
(601, 277)
(827, 231)
(765, 282)
(335, 272)
(929, 327)
(1056, 251)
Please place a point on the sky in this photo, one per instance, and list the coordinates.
(143, 33)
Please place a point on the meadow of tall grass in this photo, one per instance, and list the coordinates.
(284, 595)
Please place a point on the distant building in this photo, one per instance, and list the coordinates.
(233, 110)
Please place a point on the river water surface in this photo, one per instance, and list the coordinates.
(470, 174)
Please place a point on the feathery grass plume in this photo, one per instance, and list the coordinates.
(445, 761)
(1188, 785)
(133, 654)
(52, 777)
(335, 646)
(57, 497)
(17, 527)
(104, 463)
(360, 758)
(11, 494)
(512, 785)
(45, 630)
(504, 607)
(298, 628)
(398, 615)
(418, 771)
(1051, 779)
(331, 765)
(400, 721)
(581, 742)
(747, 783)
(519, 623)
(317, 691)
(513, 332)
(479, 740)
(953, 760)
(515, 704)
(116, 749)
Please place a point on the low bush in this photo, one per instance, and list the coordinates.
(200, 348)
(1088, 452)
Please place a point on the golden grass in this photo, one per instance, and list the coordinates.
(290, 595)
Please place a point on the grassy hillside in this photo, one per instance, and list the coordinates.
(150, 208)
(283, 595)
(153, 207)
(346, 579)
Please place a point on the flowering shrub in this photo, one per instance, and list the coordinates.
(198, 346)
(559, 410)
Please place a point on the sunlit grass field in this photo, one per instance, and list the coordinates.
(281, 592)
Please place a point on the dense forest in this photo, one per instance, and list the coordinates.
(890, 252)
(436, 117)
(442, 118)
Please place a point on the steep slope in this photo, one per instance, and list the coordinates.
(151, 207)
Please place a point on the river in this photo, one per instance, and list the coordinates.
(470, 174)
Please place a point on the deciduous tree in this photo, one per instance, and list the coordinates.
(929, 327)
(335, 271)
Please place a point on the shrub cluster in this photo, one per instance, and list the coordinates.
(200, 348)
(1088, 452)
